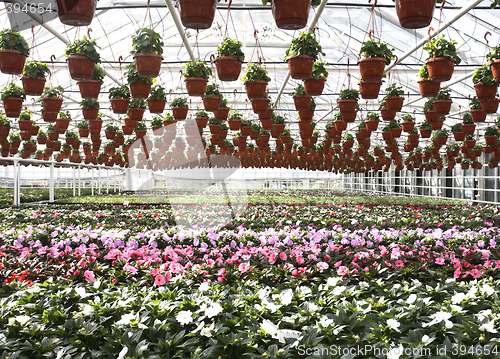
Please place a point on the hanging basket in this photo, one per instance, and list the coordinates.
(180, 113)
(201, 122)
(196, 86)
(148, 65)
(469, 129)
(395, 103)
(255, 89)
(477, 116)
(136, 114)
(314, 87)
(300, 67)
(260, 105)
(495, 68)
(387, 115)
(197, 14)
(442, 107)
(440, 68)
(484, 92)
(228, 68)
(12, 106)
(369, 90)
(302, 102)
(347, 107)
(211, 103)
(372, 68)
(33, 86)
(306, 115)
(52, 104)
(119, 105)
(12, 62)
(221, 114)
(156, 106)
(408, 126)
(76, 13)
(25, 125)
(428, 88)
(49, 116)
(89, 88)
(140, 89)
(415, 14)
(90, 113)
(83, 132)
(80, 67)
(489, 106)
(290, 14)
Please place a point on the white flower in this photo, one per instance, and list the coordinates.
(394, 324)
(87, 310)
(325, 322)
(125, 319)
(213, 310)
(487, 289)
(184, 317)
(204, 287)
(305, 290)
(286, 297)
(21, 319)
(332, 281)
(489, 327)
(339, 290)
(483, 314)
(438, 318)
(457, 308)
(271, 306)
(458, 298)
(206, 332)
(448, 324)
(122, 353)
(363, 285)
(425, 339)
(395, 353)
(312, 307)
(472, 292)
(411, 299)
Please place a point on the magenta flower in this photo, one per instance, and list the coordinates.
(243, 267)
(323, 266)
(89, 275)
(130, 268)
(342, 270)
(160, 280)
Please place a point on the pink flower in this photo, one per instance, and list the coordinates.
(375, 264)
(342, 270)
(89, 275)
(300, 260)
(82, 263)
(243, 267)
(283, 256)
(295, 272)
(154, 272)
(475, 273)
(272, 258)
(129, 268)
(399, 264)
(221, 272)
(440, 261)
(322, 266)
(168, 276)
(457, 273)
(160, 280)
(338, 264)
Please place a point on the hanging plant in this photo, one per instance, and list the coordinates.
(427, 87)
(415, 15)
(179, 108)
(33, 79)
(91, 88)
(493, 58)
(255, 80)
(375, 56)
(197, 14)
(90, 108)
(442, 58)
(13, 97)
(119, 97)
(229, 60)
(302, 54)
(290, 14)
(407, 122)
(301, 99)
(13, 52)
(476, 111)
(196, 77)
(484, 83)
(212, 98)
(78, 13)
(157, 99)
(82, 56)
(394, 97)
(369, 90)
(139, 86)
(348, 101)
(147, 47)
(315, 85)
(442, 102)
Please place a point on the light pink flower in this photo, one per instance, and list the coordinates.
(160, 280)
(221, 272)
(283, 256)
(457, 273)
(89, 275)
(475, 273)
(440, 261)
(130, 268)
(243, 267)
(322, 265)
(272, 258)
(342, 270)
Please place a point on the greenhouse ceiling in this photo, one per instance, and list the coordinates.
(341, 29)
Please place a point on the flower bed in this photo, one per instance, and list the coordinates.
(125, 281)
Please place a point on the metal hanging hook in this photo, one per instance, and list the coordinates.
(374, 4)
(370, 34)
(212, 58)
(429, 32)
(88, 33)
(485, 39)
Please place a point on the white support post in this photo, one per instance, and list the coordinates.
(92, 182)
(107, 180)
(16, 183)
(74, 182)
(79, 181)
(51, 183)
(99, 181)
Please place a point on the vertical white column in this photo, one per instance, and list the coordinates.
(74, 181)
(107, 180)
(16, 183)
(99, 181)
(92, 182)
(51, 183)
(79, 180)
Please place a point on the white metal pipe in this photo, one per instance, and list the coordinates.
(51, 183)
(16, 183)
(180, 28)
(315, 20)
(464, 10)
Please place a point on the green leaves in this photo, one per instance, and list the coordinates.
(304, 44)
(484, 75)
(133, 75)
(179, 102)
(13, 91)
(440, 47)
(35, 69)
(89, 103)
(84, 47)
(52, 92)
(138, 103)
(147, 41)
(231, 48)
(12, 39)
(319, 70)
(197, 69)
(157, 93)
(349, 94)
(372, 48)
(119, 92)
(255, 72)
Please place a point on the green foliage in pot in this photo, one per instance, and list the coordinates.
(35, 69)
(426, 126)
(223, 103)
(348, 137)
(407, 118)
(133, 75)
(440, 47)
(157, 93)
(111, 128)
(372, 116)
(88, 103)
(423, 73)
(278, 119)
(494, 53)
(41, 134)
(349, 94)
(202, 113)
(212, 90)
(13, 91)
(84, 47)
(98, 74)
(319, 70)
(138, 103)
(230, 48)
(457, 127)
(443, 94)
(147, 41)
(484, 75)
(255, 72)
(179, 102)
(157, 121)
(467, 119)
(12, 39)
(64, 115)
(394, 91)
(25, 115)
(491, 131)
(312, 104)
(141, 126)
(474, 103)
(372, 48)
(70, 134)
(429, 106)
(119, 92)
(304, 44)
(235, 115)
(52, 92)
(197, 69)
(83, 125)
(299, 91)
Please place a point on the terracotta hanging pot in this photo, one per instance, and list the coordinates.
(302, 102)
(76, 13)
(440, 68)
(306, 115)
(485, 92)
(221, 114)
(387, 115)
(415, 14)
(25, 125)
(180, 113)
(90, 113)
(369, 90)
(136, 114)
(349, 117)
(489, 106)
(156, 106)
(431, 116)
(201, 122)
(300, 66)
(80, 67)
(12, 62)
(469, 128)
(211, 103)
(347, 106)
(340, 125)
(372, 68)
(234, 125)
(196, 86)
(314, 87)
(267, 124)
(477, 116)
(197, 14)
(140, 89)
(83, 132)
(495, 68)
(290, 14)
(425, 133)
(148, 65)
(228, 68)
(408, 126)
(33, 86)
(119, 105)
(395, 103)
(260, 105)
(214, 129)
(371, 125)
(52, 104)
(140, 133)
(49, 116)
(255, 89)
(428, 88)
(95, 125)
(442, 107)
(12, 106)
(89, 88)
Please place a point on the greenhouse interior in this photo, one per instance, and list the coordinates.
(244, 178)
